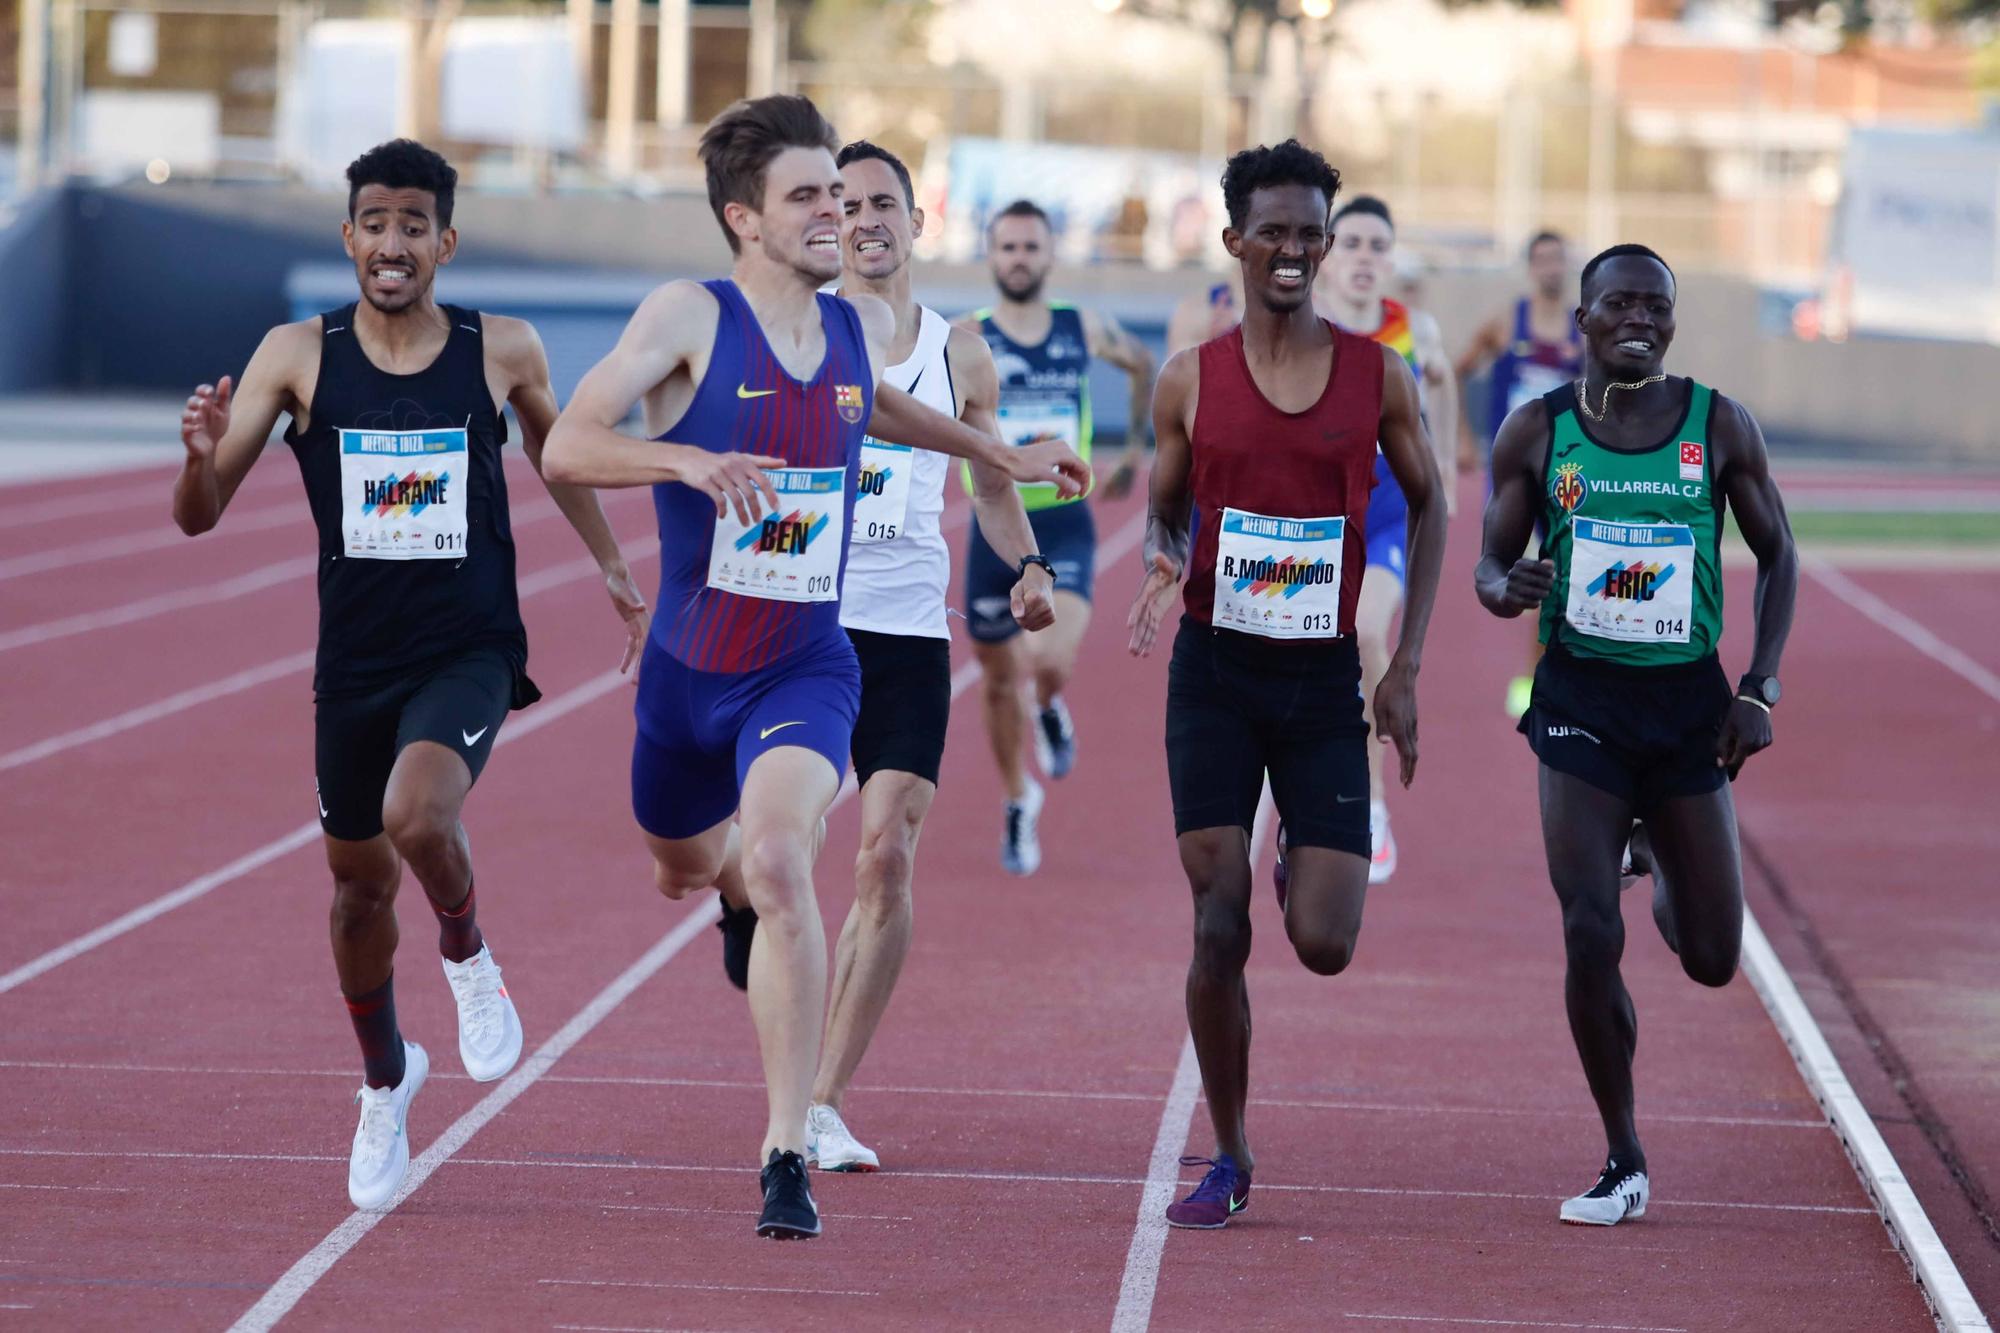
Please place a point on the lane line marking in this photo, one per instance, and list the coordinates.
(738, 1212)
(616, 1163)
(550, 711)
(926, 1090)
(542, 580)
(150, 538)
(303, 1275)
(698, 1286)
(1512, 1323)
(1902, 626)
(1141, 1278)
(1937, 1277)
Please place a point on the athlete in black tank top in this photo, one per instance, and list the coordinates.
(382, 619)
(397, 429)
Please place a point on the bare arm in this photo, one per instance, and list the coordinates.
(1507, 582)
(517, 349)
(1744, 472)
(1488, 342)
(224, 426)
(1110, 342)
(1416, 471)
(1169, 506)
(1440, 401)
(668, 336)
(995, 501)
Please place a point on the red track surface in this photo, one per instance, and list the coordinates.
(177, 1100)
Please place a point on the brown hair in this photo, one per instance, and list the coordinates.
(739, 146)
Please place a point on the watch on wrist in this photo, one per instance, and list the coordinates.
(1759, 689)
(1036, 559)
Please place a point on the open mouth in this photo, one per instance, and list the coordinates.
(826, 242)
(871, 246)
(1288, 275)
(391, 275)
(1636, 346)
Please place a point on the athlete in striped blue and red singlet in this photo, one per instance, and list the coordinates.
(756, 392)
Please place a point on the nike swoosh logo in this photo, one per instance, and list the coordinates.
(745, 391)
(765, 734)
(322, 809)
(1348, 800)
(472, 737)
(1236, 1204)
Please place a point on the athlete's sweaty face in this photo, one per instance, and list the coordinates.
(1023, 251)
(799, 224)
(396, 245)
(1548, 267)
(1627, 317)
(879, 227)
(1362, 261)
(1281, 245)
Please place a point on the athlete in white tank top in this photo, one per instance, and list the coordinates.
(898, 565)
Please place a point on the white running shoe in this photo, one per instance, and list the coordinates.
(489, 1031)
(381, 1153)
(1020, 840)
(1382, 863)
(1619, 1196)
(829, 1145)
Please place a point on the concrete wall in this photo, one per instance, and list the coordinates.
(34, 301)
(143, 287)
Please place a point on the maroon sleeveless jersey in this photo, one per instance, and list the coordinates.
(1249, 455)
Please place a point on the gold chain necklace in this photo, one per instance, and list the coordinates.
(1604, 400)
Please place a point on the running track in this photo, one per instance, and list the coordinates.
(176, 1097)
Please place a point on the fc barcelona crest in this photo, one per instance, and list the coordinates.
(847, 401)
(1570, 487)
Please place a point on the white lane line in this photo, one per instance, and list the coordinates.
(180, 599)
(700, 1286)
(542, 580)
(926, 1090)
(1931, 1264)
(1514, 1323)
(553, 1163)
(303, 1275)
(1903, 627)
(157, 494)
(155, 538)
(77, 1189)
(549, 711)
(1149, 1233)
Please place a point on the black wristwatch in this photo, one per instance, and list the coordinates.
(1758, 689)
(1036, 559)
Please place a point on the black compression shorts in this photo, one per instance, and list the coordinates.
(1239, 707)
(1642, 733)
(905, 704)
(357, 738)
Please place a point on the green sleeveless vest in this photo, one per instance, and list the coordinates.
(1634, 537)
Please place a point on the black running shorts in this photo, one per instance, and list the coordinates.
(905, 704)
(1066, 534)
(1239, 707)
(1645, 734)
(356, 738)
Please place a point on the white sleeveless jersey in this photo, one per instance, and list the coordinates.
(897, 562)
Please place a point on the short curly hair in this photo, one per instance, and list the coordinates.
(1288, 163)
(404, 164)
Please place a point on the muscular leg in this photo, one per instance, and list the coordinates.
(1052, 652)
(1583, 833)
(420, 813)
(1003, 669)
(363, 920)
(1325, 891)
(785, 793)
(1217, 862)
(1698, 877)
(869, 955)
(1374, 619)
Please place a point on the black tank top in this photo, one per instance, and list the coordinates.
(384, 619)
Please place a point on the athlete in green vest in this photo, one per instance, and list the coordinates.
(1632, 716)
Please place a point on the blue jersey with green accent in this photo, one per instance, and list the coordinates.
(1044, 390)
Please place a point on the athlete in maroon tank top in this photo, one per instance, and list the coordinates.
(1266, 453)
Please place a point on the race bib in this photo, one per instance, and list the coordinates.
(791, 554)
(1633, 582)
(882, 495)
(402, 493)
(1531, 382)
(1279, 577)
(1022, 423)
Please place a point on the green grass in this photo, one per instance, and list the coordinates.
(1834, 527)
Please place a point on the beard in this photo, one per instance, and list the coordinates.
(403, 300)
(1020, 289)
